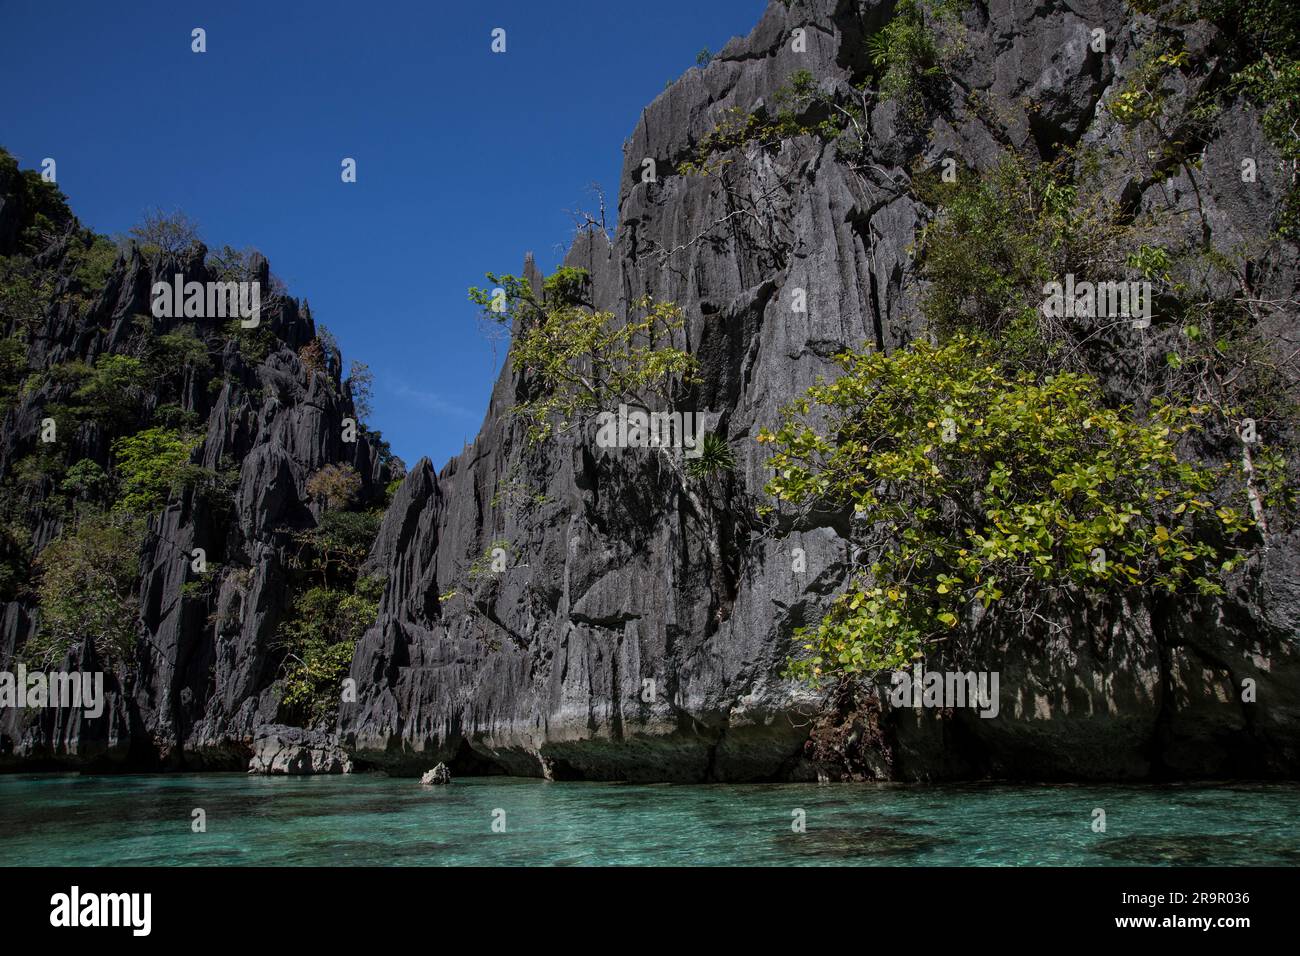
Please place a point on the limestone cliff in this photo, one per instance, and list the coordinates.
(609, 584)
(630, 632)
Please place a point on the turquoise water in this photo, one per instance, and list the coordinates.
(376, 820)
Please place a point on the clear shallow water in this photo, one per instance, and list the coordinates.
(373, 820)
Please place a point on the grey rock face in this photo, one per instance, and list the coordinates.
(278, 749)
(439, 776)
(200, 683)
(610, 647)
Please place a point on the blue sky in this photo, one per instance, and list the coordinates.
(465, 159)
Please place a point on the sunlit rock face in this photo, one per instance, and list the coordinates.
(610, 646)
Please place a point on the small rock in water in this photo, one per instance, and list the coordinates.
(437, 776)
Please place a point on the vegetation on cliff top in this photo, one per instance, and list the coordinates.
(137, 403)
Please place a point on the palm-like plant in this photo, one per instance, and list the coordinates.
(715, 458)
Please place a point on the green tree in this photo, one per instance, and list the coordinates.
(319, 636)
(25, 293)
(13, 369)
(582, 360)
(577, 361)
(87, 591)
(93, 261)
(175, 351)
(973, 489)
(15, 558)
(85, 481)
(335, 548)
(114, 390)
(323, 623)
(151, 465)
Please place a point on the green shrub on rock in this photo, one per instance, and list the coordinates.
(87, 591)
(151, 465)
(972, 488)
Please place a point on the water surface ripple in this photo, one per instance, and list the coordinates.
(367, 819)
